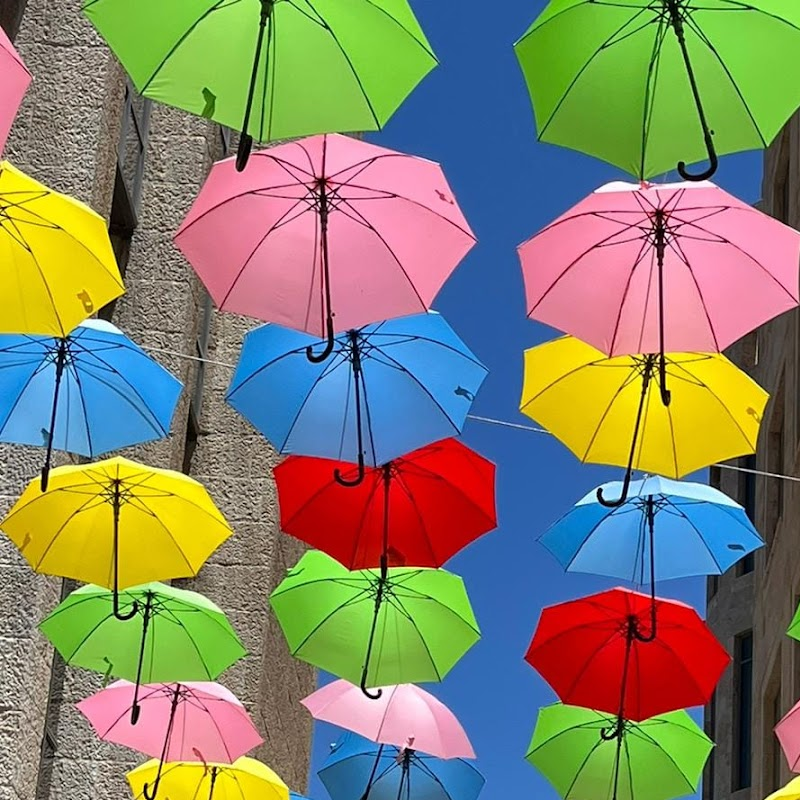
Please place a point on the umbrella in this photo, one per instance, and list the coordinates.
(16, 80)
(416, 510)
(644, 268)
(387, 389)
(684, 528)
(789, 792)
(245, 779)
(183, 636)
(269, 69)
(287, 240)
(580, 752)
(357, 767)
(375, 627)
(58, 264)
(182, 722)
(642, 85)
(116, 523)
(617, 652)
(404, 716)
(788, 733)
(608, 410)
(87, 393)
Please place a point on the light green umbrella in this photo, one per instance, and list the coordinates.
(276, 69)
(644, 84)
(582, 753)
(376, 627)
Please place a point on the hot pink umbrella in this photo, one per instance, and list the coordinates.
(325, 234)
(197, 721)
(403, 716)
(646, 268)
(788, 733)
(14, 81)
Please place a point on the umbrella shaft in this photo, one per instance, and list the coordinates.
(266, 10)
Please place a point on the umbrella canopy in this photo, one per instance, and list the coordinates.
(116, 523)
(404, 716)
(16, 80)
(287, 240)
(789, 792)
(272, 70)
(58, 264)
(656, 759)
(387, 389)
(645, 85)
(357, 767)
(598, 649)
(416, 510)
(608, 410)
(645, 268)
(696, 530)
(375, 627)
(87, 393)
(788, 733)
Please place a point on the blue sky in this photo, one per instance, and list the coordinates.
(473, 115)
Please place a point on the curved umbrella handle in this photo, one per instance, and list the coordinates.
(146, 791)
(626, 483)
(128, 615)
(329, 344)
(713, 161)
(337, 474)
(372, 696)
(243, 151)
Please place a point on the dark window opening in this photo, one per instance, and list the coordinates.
(743, 716)
(11, 12)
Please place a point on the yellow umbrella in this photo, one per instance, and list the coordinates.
(609, 410)
(116, 523)
(245, 779)
(57, 266)
(791, 791)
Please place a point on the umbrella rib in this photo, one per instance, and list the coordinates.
(645, 249)
(362, 595)
(39, 368)
(360, 527)
(642, 734)
(403, 28)
(648, 107)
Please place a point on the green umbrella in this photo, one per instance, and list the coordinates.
(181, 636)
(644, 83)
(276, 69)
(379, 627)
(580, 752)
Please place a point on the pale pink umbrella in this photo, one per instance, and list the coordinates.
(788, 733)
(403, 716)
(14, 82)
(192, 721)
(325, 234)
(647, 268)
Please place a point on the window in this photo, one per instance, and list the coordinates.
(777, 759)
(121, 227)
(713, 586)
(11, 12)
(711, 732)
(743, 710)
(781, 207)
(775, 464)
(747, 497)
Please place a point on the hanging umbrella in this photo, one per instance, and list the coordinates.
(272, 70)
(617, 652)
(403, 716)
(789, 792)
(116, 523)
(87, 393)
(16, 80)
(608, 410)
(583, 754)
(287, 240)
(181, 722)
(645, 85)
(644, 268)
(58, 265)
(686, 529)
(245, 779)
(387, 389)
(416, 510)
(375, 627)
(182, 637)
(357, 767)
(788, 733)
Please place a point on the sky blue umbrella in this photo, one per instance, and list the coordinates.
(387, 389)
(686, 528)
(357, 768)
(89, 393)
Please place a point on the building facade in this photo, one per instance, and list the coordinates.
(83, 131)
(751, 606)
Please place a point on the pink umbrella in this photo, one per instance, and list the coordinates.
(14, 81)
(403, 716)
(645, 268)
(197, 721)
(788, 733)
(325, 234)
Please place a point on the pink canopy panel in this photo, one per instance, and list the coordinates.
(14, 81)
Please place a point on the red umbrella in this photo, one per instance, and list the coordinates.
(419, 509)
(604, 652)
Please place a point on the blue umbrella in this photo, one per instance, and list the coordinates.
(88, 393)
(669, 529)
(387, 389)
(358, 768)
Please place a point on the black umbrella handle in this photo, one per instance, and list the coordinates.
(116, 504)
(357, 378)
(148, 610)
(660, 236)
(61, 360)
(376, 613)
(324, 210)
(371, 780)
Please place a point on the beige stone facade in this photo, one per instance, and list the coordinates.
(81, 131)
